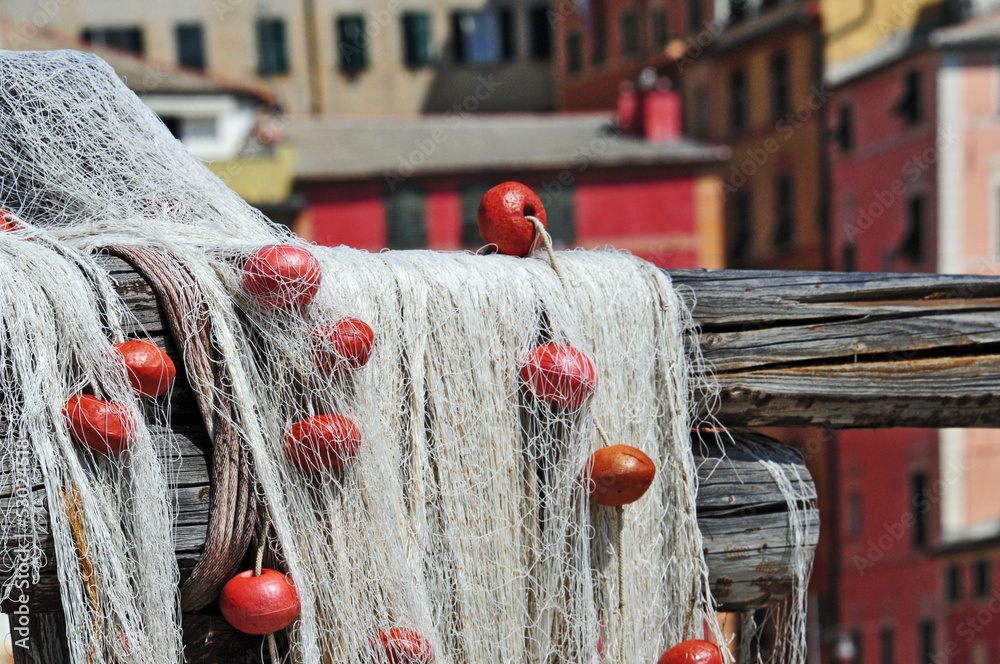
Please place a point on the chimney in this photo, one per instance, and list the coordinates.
(653, 110)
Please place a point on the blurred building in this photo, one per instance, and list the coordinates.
(334, 56)
(413, 183)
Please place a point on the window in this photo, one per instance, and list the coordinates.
(740, 249)
(124, 39)
(769, 4)
(204, 128)
(738, 9)
(694, 19)
(659, 33)
(912, 247)
(858, 640)
(982, 579)
(541, 33)
(779, 85)
(888, 646)
(574, 53)
(483, 37)
(925, 635)
(405, 219)
(598, 11)
(190, 46)
(784, 213)
(470, 196)
(352, 44)
(909, 106)
(272, 49)
(417, 39)
(631, 39)
(953, 583)
(559, 219)
(737, 100)
(919, 506)
(844, 134)
(849, 257)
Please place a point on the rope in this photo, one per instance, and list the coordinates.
(272, 644)
(547, 241)
(231, 516)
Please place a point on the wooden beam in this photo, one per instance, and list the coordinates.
(849, 350)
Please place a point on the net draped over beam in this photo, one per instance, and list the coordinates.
(463, 516)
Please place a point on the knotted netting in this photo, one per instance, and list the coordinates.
(462, 517)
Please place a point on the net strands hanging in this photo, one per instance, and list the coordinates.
(460, 518)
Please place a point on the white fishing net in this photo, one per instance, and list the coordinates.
(463, 516)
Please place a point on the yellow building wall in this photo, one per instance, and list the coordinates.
(856, 27)
(260, 180)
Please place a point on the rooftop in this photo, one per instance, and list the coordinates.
(979, 32)
(346, 148)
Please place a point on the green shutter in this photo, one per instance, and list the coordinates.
(272, 55)
(406, 219)
(352, 43)
(416, 39)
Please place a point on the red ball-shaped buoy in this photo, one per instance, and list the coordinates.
(619, 475)
(695, 651)
(260, 604)
(404, 646)
(8, 222)
(323, 441)
(281, 275)
(559, 374)
(149, 369)
(503, 213)
(345, 344)
(103, 426)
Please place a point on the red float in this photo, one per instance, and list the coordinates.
(619, 475)
(323, 441)
(695, 651)
(345, 344)
(559, 374)
(502, 218)
(260, 604)
(280, 275)
(102, 426)
(150, 370)
(8, 222)
(404, 646)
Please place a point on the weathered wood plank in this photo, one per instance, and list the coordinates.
(854, 350)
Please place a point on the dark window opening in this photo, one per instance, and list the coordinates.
(173, 124)
(405, 219)
(190, 46)
(737, 101)
(769, 4)
(574, 53)
(849, 257)
(953, 583)
(909, 106)
(694, 19)
(123, 39)
(738, 9)
(541, 33)
(920, 506)
(888, 640)
(483, 37)
(417, 39)
(739, 250)
(470, 196)
(631, 38)
(784, 230)
(912, 247)
(780, 98)
(659, 33)
(352, 44)
(272, 47)
(855, 514)
(926, 642)
(857, 638)
(598, 32)
(844, 134)
(982, 579)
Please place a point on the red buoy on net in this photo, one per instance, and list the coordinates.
(503, 213)
(103, 426)
(282, 275)
(694, 651)
(260, 604)
(322, 442)
(8, 222)
(619, 475)
(404, 646)
(345, 344)
(150, 370)
(559, 374)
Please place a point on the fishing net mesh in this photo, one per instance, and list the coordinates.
(462, 518)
